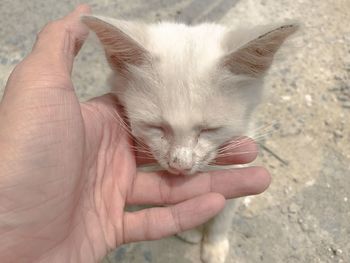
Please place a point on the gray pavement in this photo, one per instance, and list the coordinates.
(304, 216)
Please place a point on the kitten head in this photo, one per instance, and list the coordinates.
(187, 90)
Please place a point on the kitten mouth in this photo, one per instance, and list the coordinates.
(183, 172)
(173, 171)
(186, 172)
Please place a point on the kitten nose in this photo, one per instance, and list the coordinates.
(181, 160)
(178, 164)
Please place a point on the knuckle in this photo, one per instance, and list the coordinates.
(148, 224)
(56, 24)
(176, 220)
(165, 190)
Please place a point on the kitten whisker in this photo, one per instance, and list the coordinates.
(238, 142)
(234, 153)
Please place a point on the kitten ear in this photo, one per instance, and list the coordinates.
(121, 41)
(255, 57)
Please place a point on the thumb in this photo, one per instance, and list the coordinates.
(50, 63)
(43, 77)
(62, 39)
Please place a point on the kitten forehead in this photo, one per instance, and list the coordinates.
(183, 68)
(171, 39)
(189, 49)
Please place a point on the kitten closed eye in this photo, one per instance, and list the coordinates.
(210, 130)
(155, 129)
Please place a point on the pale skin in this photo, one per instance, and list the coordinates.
(67, 169)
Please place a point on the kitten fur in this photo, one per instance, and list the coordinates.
(187, 90)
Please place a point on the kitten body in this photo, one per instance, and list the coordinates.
(187, 90)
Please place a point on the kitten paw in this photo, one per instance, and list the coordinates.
(193, 236)
(215, 252)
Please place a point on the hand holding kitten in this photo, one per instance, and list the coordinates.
(68, 169)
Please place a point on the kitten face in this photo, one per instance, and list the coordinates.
(186, 90)
(185, 127)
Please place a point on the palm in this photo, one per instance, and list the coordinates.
(103, 177)
(83, 165)
(111, 170)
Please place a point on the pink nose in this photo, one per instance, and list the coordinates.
(181, 159)
(180, 167)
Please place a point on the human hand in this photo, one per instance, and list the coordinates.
(67, 169)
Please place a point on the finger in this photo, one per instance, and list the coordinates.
(60, 40)
(240, 151)
(164, 188)
(156, 223)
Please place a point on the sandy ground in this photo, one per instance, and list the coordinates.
(303, 126)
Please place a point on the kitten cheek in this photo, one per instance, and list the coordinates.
(154, 134)
(208, 159)
(160, 149)
(203, 157)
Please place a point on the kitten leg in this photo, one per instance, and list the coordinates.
(215, 245)
(193, 236)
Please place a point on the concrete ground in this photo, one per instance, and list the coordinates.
(305, 131)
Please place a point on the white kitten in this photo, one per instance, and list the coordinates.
(186, 91)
